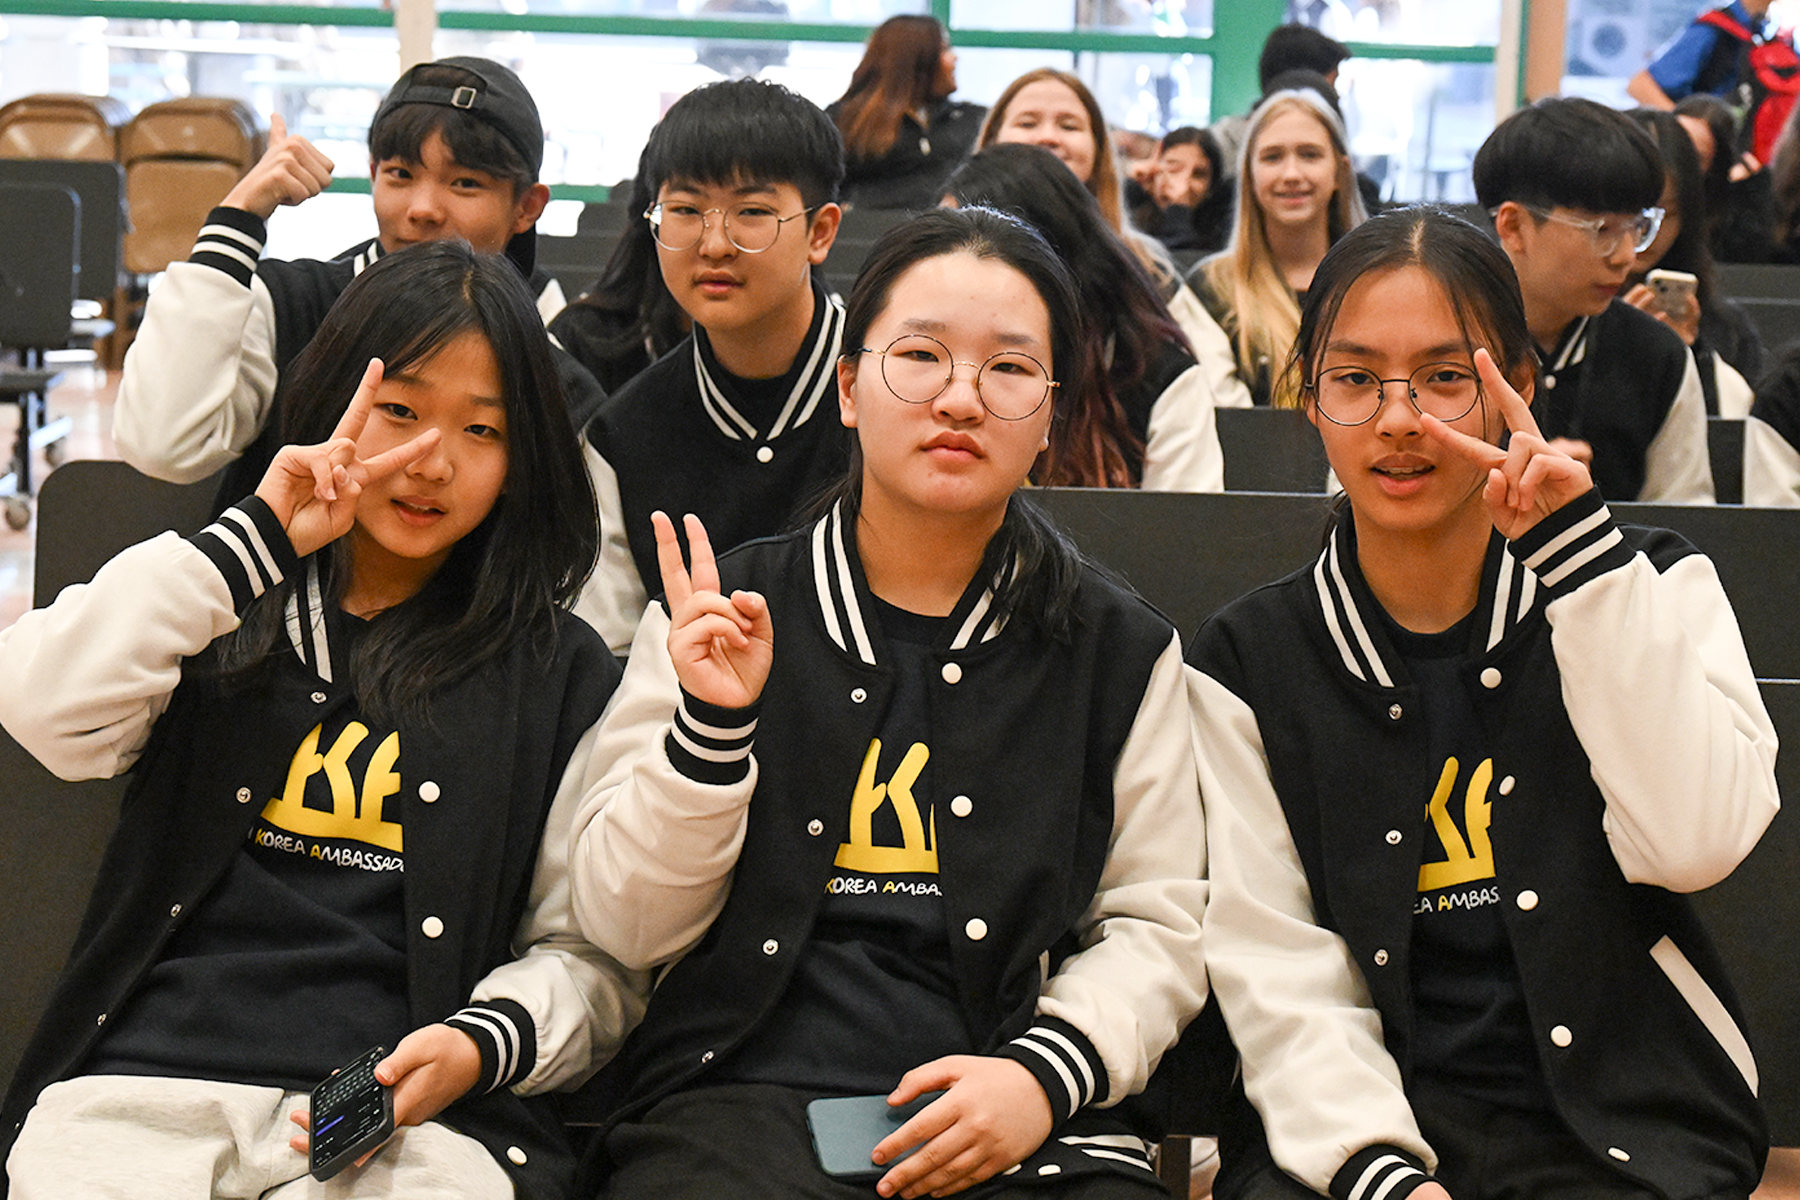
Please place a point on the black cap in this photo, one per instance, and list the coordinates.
(498, 97)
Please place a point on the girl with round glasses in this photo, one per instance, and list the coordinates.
(1460, 773)
(916, 816)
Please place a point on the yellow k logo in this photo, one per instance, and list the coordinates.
(351, 818)
(917, 852)
(1468, 861)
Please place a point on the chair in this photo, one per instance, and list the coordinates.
(1765, 281)
(39, 266)
(1777, 321)
(181, 158)
(62, 126)
(92, 509)
(1270, 450)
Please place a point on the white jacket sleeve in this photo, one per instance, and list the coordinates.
(1212, 347)
(1689, 779)
(1771, 467)
(1678, 465)
(1182, 453)
(1314, 1061)
(613, 598)
(200, 375)
(653, 849)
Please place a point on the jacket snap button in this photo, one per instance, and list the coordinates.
(100, 1020)
(1527, 899)
(243, 795)
(429, 792)
(952, 672)
(771, 946)
(1561, 1035)
(976, 929)
(175, 910)
(857, 695)
(707, 1057)
(962, 806)
(515, 1156)
(1490, 678)
(1618, 1154)
(1393, 712)
(431, 927)
(1506, 785)
(318, 697)
(1393, 837)
(1049, 1169)
(1381, 958)
(1550, 381)
(815, 827)
(764, 454)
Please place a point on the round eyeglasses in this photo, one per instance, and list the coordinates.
(752, 228)
(918, 368)
(1353, 395)
(1609, 233)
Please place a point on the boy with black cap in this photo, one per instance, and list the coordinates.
(737, 423)
(454, 151)
(1571, 185)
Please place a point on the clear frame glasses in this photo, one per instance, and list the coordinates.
(1353, 395)
(1608, 233)
(917, 368)
(752, 228)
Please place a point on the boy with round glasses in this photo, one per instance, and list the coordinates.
(1572, 186)
(736, 424)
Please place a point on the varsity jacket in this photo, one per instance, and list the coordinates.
(1071, 855)
(1171, 412)
(98, 686)
(1633, 762)
(1772, 440)
(914, 171)
(1624, 383)
(197, 394)
(677, 439)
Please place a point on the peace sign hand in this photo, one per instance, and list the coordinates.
(1528, 480)
(313, 489)
(721, 646)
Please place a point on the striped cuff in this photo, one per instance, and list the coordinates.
(250, 548)
(231, 241)
(1063, 1061)
(1379, 1173)
(504, 1033)
(1573, 545)
(710, 744)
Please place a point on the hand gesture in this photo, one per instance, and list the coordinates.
(1685, 323)
(313, 489)
(721, 646)
(992, 1114)
(429, 1070)
(290, 171)
(1528, 480)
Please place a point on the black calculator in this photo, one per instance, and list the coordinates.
(352, 1113)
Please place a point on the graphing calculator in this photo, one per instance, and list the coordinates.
(352, 1113)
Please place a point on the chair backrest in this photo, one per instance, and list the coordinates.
(39, 263)
(90, 509)
(181, 158)
(52, 125)
(1270, 450)
(206, 127)
(1771, 281)
(1777, 321)
(100, 186)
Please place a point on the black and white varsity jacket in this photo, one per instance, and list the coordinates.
(1072, 854)
(677, 439)
(197, 394)
(1772, 440)
(1609, 676)
(99, 686)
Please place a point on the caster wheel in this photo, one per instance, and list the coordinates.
(56, 453)
(18, 512)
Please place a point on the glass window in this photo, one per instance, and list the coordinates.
(1403, 22)
(1168, 18)
(1415, 126)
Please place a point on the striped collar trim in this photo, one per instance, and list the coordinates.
(306, 624)
(1573, 348)
(842, 593)
(1509, 592)
(818, 373)
(367, 257)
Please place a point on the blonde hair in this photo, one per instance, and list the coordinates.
(1264, 314)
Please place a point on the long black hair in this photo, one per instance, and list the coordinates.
(1126, 322)
(1681, 164)
(1038, 593)
(504, 580)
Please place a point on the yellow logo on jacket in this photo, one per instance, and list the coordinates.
(1464, 861)
(918, 849)
(356, 815)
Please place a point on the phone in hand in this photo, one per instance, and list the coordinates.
(352, 1113)
(1673, 290)
(846, 1130)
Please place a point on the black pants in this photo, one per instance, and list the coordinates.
(751, 1141)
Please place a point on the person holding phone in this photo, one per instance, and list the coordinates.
(903, 801)
(1461, 773)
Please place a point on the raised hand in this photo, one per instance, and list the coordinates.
(1686, 322)
(313, 489)
(993, 1113)
(291, 170)
(1528, 480)
(429, 1070)
(721, 645)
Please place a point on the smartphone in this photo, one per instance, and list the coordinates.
(352, 1113)
(846, 1130)
(1673, 290)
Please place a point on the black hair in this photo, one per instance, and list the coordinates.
(1569, 152)
(1125, 321)
(504, 580)
(1715, 176)
(1038, 593)
(1475, 273)
(1681, 163)
(474, 143)
(1311, 81)
(1298, 48)
(749, 131)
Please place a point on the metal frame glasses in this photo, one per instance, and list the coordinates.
(918, 369)
(657, 217)
(1607, 236)
(1445, 390)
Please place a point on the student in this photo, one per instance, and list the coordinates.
(1450, 838)
(1572, 186)
(1147, 419)
(734, 424)
(199, 385)
(922, 779)
(356, 715)
(1290, 47)
(1183, 199)
(1295, 197)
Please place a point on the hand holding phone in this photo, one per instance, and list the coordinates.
(1674, 291)
(352, 1114)
(846, 1130)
